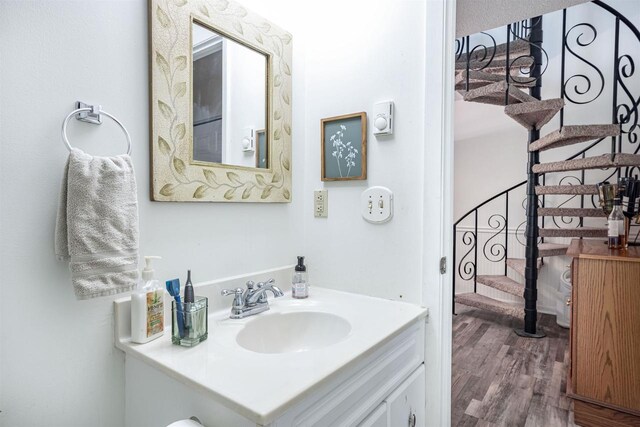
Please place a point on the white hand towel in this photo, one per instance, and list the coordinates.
(97, 224)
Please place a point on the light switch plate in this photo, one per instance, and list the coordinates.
(320, 203)
(377, 204)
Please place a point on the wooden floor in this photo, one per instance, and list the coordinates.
(501, 379)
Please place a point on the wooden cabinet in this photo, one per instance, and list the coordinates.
(604, 376)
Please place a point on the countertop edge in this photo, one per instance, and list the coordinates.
(579, 248)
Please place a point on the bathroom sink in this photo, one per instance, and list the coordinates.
(293, 332)
(265, 365)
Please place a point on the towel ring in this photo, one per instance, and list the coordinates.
(95, 110)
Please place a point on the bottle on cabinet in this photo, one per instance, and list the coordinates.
(616, 229)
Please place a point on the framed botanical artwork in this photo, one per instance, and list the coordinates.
(262, 155)
(344, 147)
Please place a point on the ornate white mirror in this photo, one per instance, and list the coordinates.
(220, 103)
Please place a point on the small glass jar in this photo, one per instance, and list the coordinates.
(189, 322)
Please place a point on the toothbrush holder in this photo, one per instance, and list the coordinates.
(189, 322)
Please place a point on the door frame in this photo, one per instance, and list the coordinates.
(438, 204)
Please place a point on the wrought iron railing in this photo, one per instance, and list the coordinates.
(582, 86)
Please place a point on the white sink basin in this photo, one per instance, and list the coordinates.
(293, 332)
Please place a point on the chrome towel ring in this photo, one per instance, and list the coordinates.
(91, 114)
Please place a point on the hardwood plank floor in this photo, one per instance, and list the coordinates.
(501, 379)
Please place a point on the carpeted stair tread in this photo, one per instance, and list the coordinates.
(597, 162)
(534, 114)
(518, 264)
(568, 135)
(516, 48)
(476, 79)
(485, 303)
(480, 78)
(497, 64)
(502, 283)
(566, 189)
(578, 212)
(495, 94)
(573, 232)
(552, 249)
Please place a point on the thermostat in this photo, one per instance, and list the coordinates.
(383, 118)
(248, 139)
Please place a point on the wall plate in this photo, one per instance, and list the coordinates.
(320, 203)
(377, 204)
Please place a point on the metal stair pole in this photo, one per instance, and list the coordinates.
(531, 268)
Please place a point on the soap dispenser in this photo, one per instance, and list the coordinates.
(300, 280)
(147, 306)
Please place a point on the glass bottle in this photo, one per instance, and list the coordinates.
(616, 231)
(299, 281)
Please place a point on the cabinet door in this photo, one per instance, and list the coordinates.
(406, 405)
(378, 418)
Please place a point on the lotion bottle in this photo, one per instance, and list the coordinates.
(147, 306)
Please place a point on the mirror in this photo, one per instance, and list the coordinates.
(229, 100)
(220, 103)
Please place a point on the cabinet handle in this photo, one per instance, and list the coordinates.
(412, 420)
(568, 301)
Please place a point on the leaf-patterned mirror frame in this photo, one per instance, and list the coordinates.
(173, 177)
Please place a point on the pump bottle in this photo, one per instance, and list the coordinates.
(300, 280)
(147, 306)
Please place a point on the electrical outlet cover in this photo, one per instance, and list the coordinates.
(320, 203)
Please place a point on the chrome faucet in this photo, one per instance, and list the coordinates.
(253, 299)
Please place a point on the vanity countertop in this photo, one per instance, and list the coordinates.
(262, 386)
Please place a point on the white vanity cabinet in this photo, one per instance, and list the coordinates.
(383, 389)
(372, 376)
(378, 418)
(404, 407)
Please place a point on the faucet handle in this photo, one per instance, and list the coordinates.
(238, 301)
(226, 292)
(268, 282)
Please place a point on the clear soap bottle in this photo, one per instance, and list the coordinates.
(300, 280)
(147, 306)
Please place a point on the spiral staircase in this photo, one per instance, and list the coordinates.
(510, 75)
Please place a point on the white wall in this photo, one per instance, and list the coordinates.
(370, 53)
(58, 363)
(245, 106)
